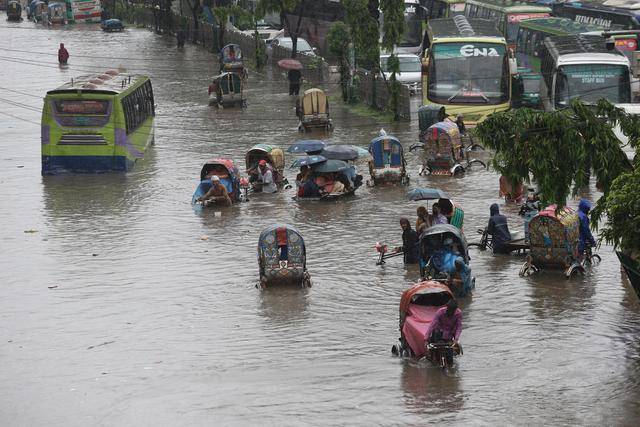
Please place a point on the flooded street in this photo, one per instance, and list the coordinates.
(115, 312)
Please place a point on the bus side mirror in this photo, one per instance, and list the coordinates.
(513, 66)
(513, 63)
(425, 63)
(635, 63)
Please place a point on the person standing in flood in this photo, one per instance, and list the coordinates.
(409, 242)
(63, 55)
(294, 77)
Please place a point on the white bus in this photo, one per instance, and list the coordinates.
(579, 66)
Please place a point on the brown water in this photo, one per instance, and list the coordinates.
(150, 325)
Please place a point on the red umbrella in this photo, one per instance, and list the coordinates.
(290, 64)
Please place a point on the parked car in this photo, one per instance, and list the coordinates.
(303, 46)
(410, 70)
(266, 32)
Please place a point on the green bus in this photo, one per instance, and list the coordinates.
(506, 14)
(97, 123)
(532, 33)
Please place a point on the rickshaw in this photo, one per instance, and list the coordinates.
(231, 60)
(443, 151)
(36, 8)
(111, 25)
(553, 242)
(387, 164)
(441, 247)
(272, 155)
(227, 90)
(418, 306)
(330, 179)
(453, 212)
(57, 14)
(14, 11)
(229, 177)
(312, 108)
(282, 257)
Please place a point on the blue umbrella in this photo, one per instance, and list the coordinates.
(307, 161)
(426, 194)
(330, 166)
(306, 146)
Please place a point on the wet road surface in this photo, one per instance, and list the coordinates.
(115, 312)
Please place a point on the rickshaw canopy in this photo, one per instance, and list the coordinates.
(386, 143)
(314, 102)
(211, 163)
(271, 153)
(428, 287)
(434, 237)
(231, 54)
(428, 115)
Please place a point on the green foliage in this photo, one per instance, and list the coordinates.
(558, 149)
(261, 54)
(339, 40)
(364, 33)
(393, 64)
(622, 207)
(393, 23)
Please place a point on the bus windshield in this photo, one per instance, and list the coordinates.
(592, 82)
(468, 73)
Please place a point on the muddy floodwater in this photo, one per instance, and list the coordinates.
(115, 311)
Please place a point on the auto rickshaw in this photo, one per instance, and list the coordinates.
(312, 108)
(231, 60)
(443, 151)
(57, 14)
(274, 157)
(418, 307)
(282, 257)
(227, 90)
(229, 177)
(553, 242)
(14, 11)
(111, 25)
(442, 248)
(387, 165)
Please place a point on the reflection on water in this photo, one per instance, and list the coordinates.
(116, 309)
(429, 390)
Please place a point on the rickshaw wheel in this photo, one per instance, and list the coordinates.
(573, 270)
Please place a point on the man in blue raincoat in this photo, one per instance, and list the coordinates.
(586, 238)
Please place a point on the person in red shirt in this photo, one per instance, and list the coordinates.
(63, 54)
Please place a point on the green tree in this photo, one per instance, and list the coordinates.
(558, 149)
(286, 9)
(364, 32)
(622, 208)
(339, 40)
(392, 28)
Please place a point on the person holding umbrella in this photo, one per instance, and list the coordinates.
(294, 77)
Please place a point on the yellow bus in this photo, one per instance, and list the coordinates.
(466, 68)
